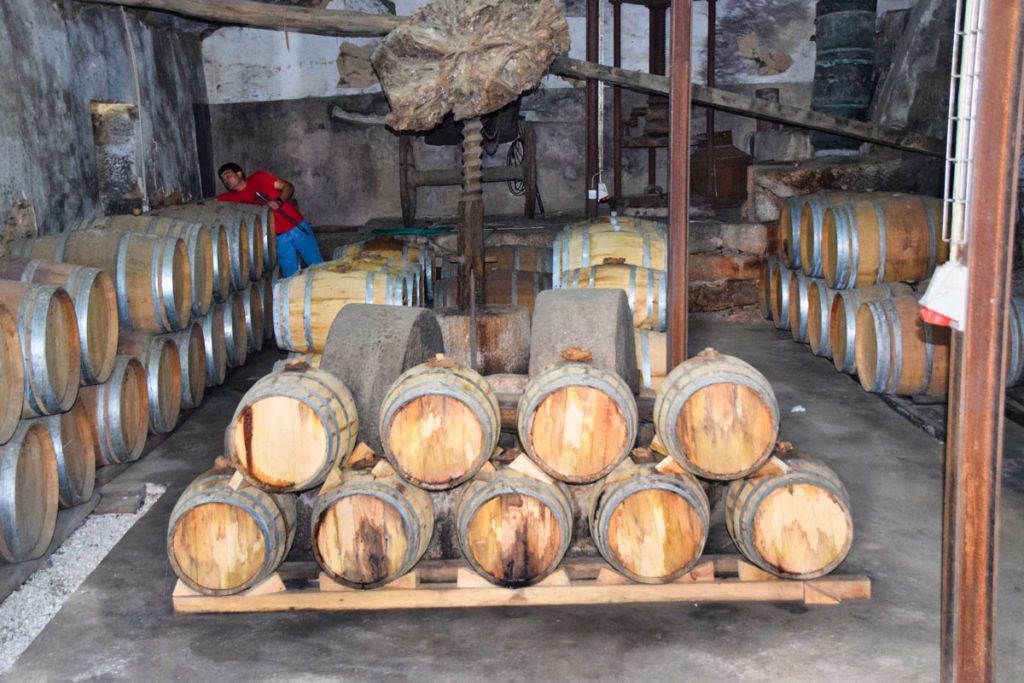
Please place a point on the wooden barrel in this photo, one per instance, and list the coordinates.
(256, 243)
(191, 347)
(235, 335)
(790, 222)
(162, 362)
(261, 221)
(12, 375)
(1015, 352)
(882, 238)
(410, 275)
(219, 245)
(781, 278)
(50, 351)
(222, 540)
(649, 526)
(819, 313)
(518, 258)
(513, 529)
(119, 410)
(306, 304)
(812, 218)
(898, 352)
(235, 228)
(252, 306)
(151, 274)
(794, 522)
(799, 305)
(291, 428)
(370, 527)
(74, 445)
(577, 421)
(396, 250)
(651, 357)
(638, 242)
(644, 288)
(764, 286)
(501, 288)
(215, 346)
(439, 423)
(195, 236)
(95, 300)
(28, 493)
(842, 325)
(717, 416)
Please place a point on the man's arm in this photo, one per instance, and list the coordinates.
(285, 192)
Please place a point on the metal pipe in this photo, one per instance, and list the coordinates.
(590, 119)
(977, 393)
(679, 181)
(617, 99)
(656, 24)
(712, 179)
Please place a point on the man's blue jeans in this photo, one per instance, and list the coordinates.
(297, 241)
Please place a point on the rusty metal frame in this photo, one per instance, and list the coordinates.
(590, 118)
(679, 180)
(975, 442)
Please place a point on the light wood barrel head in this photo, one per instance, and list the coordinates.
(218, 546)
(514, 538)
(279, 441)
(802, 529)
(654, 533)
(362, 539)
(133, 406)
(436, 440)
(578, 433)
(12, 375)
(29, 502)
(724, 429)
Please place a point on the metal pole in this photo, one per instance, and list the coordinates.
(679, 180)
(975, 442)
(712, 179)
(590, 119)
(617, 98)
(656, 65)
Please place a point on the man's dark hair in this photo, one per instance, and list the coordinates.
(230, 166)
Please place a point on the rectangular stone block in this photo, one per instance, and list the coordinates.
(724, 265)
(721, 296)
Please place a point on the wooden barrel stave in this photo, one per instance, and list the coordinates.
(160, 357)
(819, 311)
(119, 411)
(795, 523)
(12, 375)
(439, 423)
(28, 493)
(50, 353)
(577, 421)
(215, 345)
(799, 305)
(780, 303)
(842, 326)
(235, 335)
(731, 427)
(191, 346)
(650, 526)
(651, 357)
(222, 540)
(513, 529)
(252, 305)
(370, 527)
(309, 415)
(74, 445)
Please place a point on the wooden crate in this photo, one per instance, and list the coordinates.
(580, 581)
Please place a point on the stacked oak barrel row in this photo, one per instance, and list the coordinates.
(851, 271)
(513, 523)
(624, 253)
(105, 331)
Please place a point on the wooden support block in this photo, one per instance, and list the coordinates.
(467, 578)
(362, 455)
(657, 446)
(408, 581)
(183, 591)
(669, 466)
(704, 571)
(609, 577)
(748, 572)
(817, 596)
(329, 585)
(268, 586)
(557, 578)
(120, 499)
(642, 456)
(529, 468)
(236, 480)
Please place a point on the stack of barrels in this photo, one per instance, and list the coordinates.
(624, 253)
(513, 275)
(106, 334)
(381, 271)
(513, 520)
(848, 280)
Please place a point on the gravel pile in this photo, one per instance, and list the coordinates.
(25, 613)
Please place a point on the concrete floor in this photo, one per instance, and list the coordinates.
(119, 625)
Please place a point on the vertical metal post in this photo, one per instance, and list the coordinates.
(590, 119)
(617, 98)
(679, 180)
(712, 178)
(656, 65)
(975, 443)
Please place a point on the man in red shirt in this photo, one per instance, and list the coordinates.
(294, 234)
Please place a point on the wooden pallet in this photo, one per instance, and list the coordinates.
(582, 581)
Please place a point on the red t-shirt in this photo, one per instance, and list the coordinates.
(263, 182)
